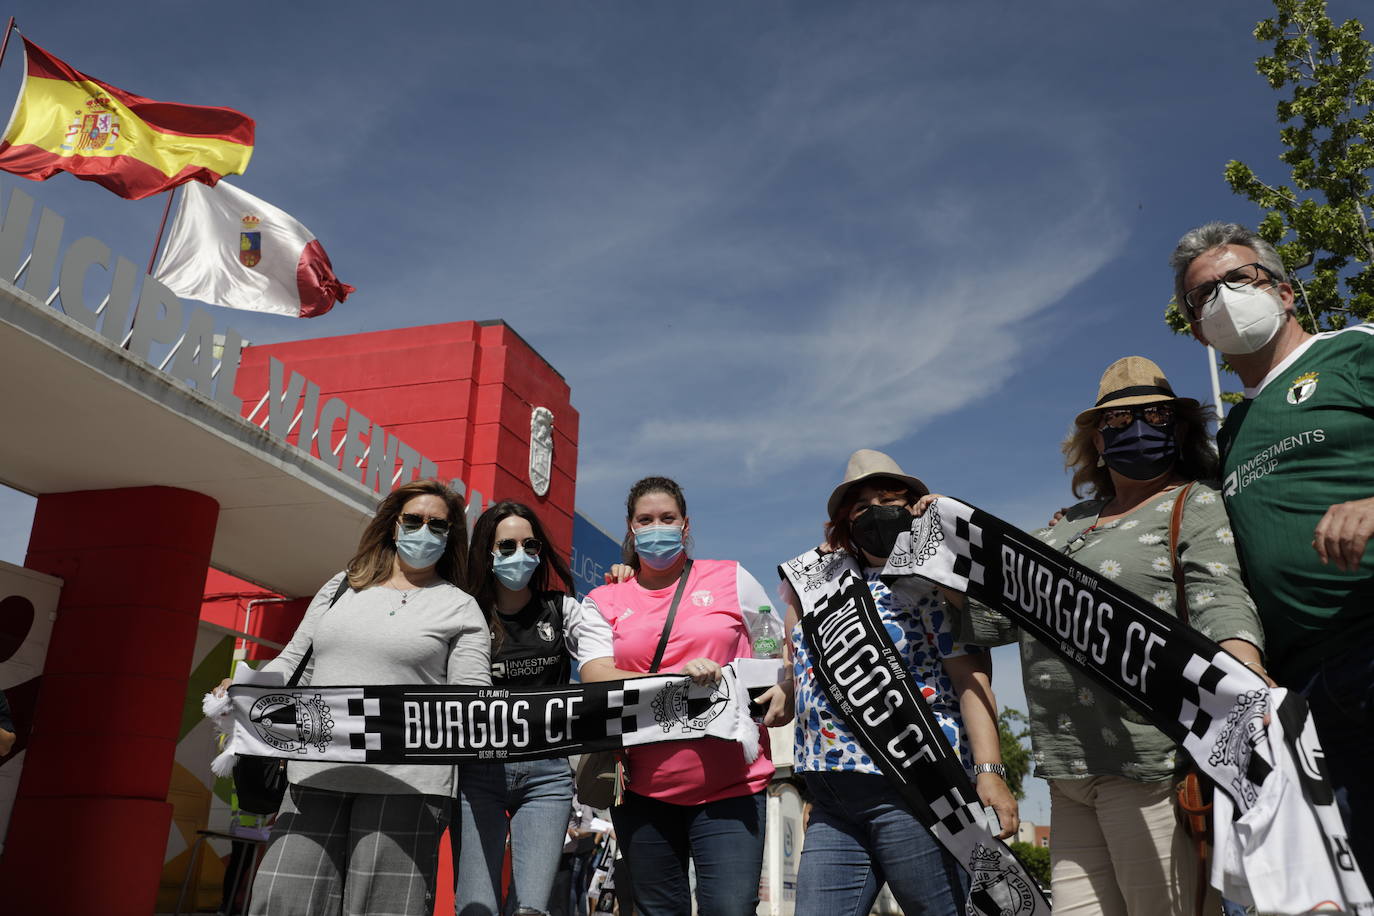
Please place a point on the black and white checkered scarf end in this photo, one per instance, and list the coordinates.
(856, 664)
(1185, 684)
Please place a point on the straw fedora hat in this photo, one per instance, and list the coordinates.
(866, 464)
(1131, 380)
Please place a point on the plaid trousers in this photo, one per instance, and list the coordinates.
(347, 854)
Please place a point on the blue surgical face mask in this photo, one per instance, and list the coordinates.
(659, 546)
(1140, 451)
(514, 571)
(420, 548)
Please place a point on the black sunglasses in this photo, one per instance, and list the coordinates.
(1158, 415)
(412, 522)
(507, 546)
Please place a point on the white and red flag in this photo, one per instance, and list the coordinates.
(229, 248)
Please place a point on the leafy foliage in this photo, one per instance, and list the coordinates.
(1012, 729)
(1320, 220)
(1036, 859)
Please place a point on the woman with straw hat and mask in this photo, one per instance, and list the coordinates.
(861, 834)
(1118, 846)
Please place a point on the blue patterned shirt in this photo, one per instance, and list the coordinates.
(919, 624)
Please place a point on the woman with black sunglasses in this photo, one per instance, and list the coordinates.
(364, 838)
(1142, 456)
(538, 637)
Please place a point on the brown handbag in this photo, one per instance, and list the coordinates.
(1192, 790)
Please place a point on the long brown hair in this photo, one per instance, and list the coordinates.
(377, 547)
(838, 532)
(1197, 456)
(642, 488)
(483, 580)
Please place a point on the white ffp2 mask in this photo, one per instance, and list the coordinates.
(1242, 321)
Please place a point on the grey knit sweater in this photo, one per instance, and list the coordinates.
(437, 637)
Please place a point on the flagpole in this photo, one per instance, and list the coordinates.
(6, 43)
(158, 242)
(1216, 380)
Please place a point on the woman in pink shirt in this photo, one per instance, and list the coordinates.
(682, 799)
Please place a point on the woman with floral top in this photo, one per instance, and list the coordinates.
(861, 833)
(1118, 848)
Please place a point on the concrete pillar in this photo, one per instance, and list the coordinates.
(91, 819)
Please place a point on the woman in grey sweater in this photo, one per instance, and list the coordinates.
(364, 838)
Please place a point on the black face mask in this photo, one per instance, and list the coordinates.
(1140, 451)
(875, 530)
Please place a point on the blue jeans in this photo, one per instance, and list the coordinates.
(724, 839)
(535, 798)
(860, 836)
(1340, 694)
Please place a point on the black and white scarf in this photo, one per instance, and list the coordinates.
(1186, 685)
(855, 662)
(451, 724)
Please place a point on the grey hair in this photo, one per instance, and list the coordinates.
(1203, 239)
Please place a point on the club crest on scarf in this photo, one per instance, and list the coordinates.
(814, 568)
(94, 130)
(996, 888)
(926, 536)
(1244, 726)
(289, 722)
(686, 705)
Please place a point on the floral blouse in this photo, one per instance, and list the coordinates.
(918, 621)
(1078, 729)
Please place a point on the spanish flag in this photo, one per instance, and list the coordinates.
(66, 121)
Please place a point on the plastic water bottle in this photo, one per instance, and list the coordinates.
(766, 631)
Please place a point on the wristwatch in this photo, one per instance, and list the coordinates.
(997, 768)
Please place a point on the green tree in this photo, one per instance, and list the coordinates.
(1011, 728)
(1036, 859)
(1320, 220)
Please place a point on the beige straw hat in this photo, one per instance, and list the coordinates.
(1131, 380)
(865, 464)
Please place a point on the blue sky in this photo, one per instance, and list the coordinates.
(753, 237)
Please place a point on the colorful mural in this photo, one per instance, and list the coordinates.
(198, 799)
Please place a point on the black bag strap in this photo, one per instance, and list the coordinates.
(672, 612)
(553, 603)
(1175, 525)
(310, 649)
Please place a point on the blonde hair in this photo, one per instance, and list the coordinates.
(377, 547)
(1197, 456)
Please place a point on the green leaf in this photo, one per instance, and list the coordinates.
(1319, 216)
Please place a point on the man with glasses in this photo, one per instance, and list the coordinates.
(1298, 467)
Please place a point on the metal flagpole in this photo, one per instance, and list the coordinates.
(6, 43)
(1216, 380)
(152, 258)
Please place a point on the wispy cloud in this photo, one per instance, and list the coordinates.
(721, 317)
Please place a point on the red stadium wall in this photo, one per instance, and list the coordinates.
(110, 720)
(460, 393)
